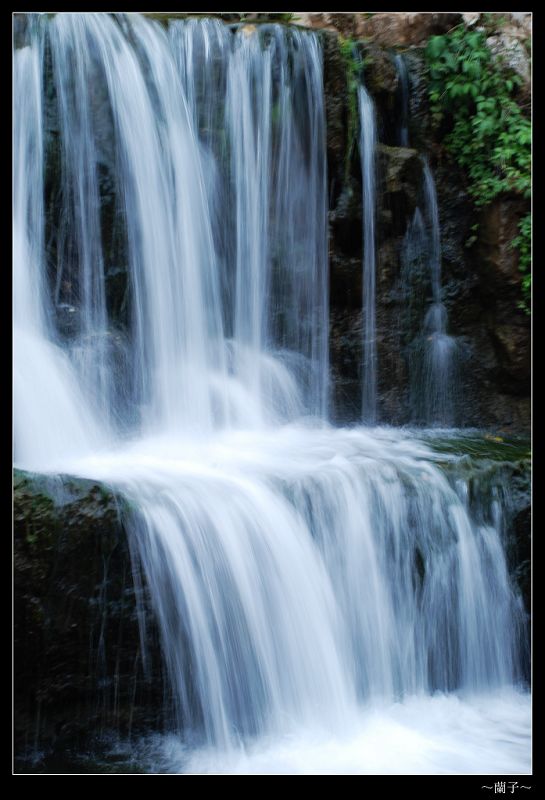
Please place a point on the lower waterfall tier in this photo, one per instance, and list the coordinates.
(258, 585)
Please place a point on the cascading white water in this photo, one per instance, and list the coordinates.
(368, 139)
(433, 365)
(331, 570)
(437, 386)
(80, 268)
(308, 582)
(403, 75)
(51, 417)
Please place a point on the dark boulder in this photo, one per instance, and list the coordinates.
(79, 666)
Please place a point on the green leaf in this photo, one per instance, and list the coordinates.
(450, 61)
(483, 127)
(435, 46)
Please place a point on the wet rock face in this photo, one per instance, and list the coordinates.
(79, 668)
(386, 29)
(345, 352)
(379, 71)
(480, 274)
(513, 346)
(498, 227)
(419, 108)
(509, 328)
(336, 111)
(518, 533)
(346, 226)
(381, 80)
(407, 28)
(400, 170)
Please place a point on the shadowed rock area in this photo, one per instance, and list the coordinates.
(79, 668)
(480, 273)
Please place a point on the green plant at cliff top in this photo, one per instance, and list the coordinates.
(473, 103)
(355, 63)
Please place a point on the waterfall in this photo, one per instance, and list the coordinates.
(434, 359)
(224, 329)
(52, 416)
(437, 378)
(403, 75)
(301, 591)
(368, 138)
(306, 580)
(433, 356)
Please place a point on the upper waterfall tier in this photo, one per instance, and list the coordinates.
(190, 166)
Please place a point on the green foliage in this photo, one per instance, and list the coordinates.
(346, 47)
(473, 103)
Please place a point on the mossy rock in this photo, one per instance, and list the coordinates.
(78, 660)
(495, 468)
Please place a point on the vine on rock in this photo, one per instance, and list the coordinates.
(474, 106)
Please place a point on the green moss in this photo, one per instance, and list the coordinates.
(477, 446)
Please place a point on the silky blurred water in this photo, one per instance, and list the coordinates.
(327, 599)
